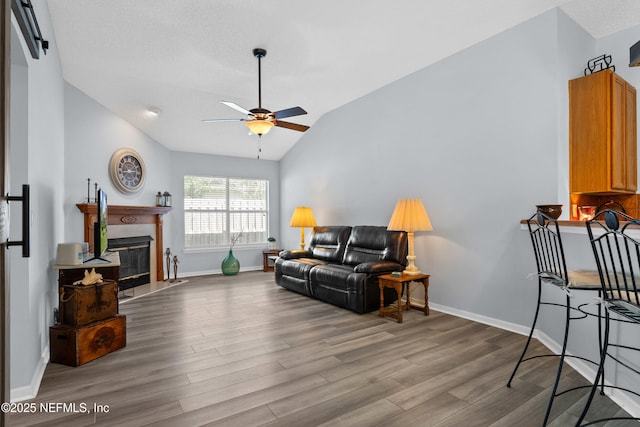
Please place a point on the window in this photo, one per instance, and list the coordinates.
(218, 210)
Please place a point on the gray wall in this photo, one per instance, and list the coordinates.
(474, 137)
(92, 134)
(208, 261)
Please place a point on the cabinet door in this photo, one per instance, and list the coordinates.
(602, 135)
(631, 138)
(618, 134)
(589, 124)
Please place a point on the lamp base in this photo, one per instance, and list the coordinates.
(411, 269)
(302, 238)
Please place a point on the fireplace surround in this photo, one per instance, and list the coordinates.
(135, 260)
(129, 215)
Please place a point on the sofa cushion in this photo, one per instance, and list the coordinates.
(328, 243)
(333, 275)
(299, 267)
(331, 283)
(339, 284)
(375, 243)
(293, 274)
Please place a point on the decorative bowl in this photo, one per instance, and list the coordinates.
(552, 211)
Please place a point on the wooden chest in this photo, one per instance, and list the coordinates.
(84, 304)
(75, 346)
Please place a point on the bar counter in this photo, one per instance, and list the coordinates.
(567, 226)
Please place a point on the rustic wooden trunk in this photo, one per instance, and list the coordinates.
(84, 304)
(75, 346)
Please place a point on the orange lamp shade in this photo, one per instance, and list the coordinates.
(302, 217)
(410, 215)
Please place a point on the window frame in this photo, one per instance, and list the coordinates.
(227, 216)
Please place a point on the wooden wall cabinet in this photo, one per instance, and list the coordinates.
(602, 135)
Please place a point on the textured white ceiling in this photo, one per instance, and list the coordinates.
(185, 56)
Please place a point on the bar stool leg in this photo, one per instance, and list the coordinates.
(600, 373)
(561, 364)
(533, 327)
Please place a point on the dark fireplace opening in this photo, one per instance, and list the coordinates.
(135, 260)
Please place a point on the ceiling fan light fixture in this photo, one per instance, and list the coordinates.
(259, 127)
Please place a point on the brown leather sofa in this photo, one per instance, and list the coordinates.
(342, 264)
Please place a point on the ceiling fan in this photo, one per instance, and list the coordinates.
(261, 120)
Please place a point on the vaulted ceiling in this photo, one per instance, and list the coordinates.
(185, 56)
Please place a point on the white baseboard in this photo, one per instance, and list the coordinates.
(626, 401)
(31, 391)
(217, 271)
(508, 326)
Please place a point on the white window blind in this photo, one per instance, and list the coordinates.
(218, 210)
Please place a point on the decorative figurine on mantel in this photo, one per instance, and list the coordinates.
(95, 185)
(168, 255)
(175, 268)
(88, 190)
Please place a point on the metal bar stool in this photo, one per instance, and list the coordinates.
(552, 270)
(617, 253)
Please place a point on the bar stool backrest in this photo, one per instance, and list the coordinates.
(615, 240)
(547, 248)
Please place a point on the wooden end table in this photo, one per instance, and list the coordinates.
(269, 254)
(397, 283)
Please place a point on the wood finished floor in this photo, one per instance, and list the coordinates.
(241, 351)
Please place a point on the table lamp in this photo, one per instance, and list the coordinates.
(410, 216)
(302, 217)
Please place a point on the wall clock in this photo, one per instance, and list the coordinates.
(127, 170)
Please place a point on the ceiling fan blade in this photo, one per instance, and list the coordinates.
(292, 126)
(222, 120)
(289, 112)
(237, 107)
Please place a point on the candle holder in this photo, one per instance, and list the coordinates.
(167, 253)
(175, 268)
(166, 199)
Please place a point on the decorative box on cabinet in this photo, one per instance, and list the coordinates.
(602, 134)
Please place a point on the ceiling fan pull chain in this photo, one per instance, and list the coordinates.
(259, 146)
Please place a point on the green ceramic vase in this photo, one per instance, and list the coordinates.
(230, 265)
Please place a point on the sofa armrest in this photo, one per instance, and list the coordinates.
(378, 267)
(295, 253)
